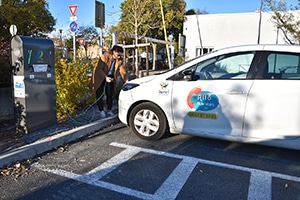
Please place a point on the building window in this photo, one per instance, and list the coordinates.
(200, 51)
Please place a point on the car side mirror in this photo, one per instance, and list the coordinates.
(187, 74)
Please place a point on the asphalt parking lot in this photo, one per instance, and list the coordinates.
(179, 177)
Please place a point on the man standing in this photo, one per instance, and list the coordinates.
(109, 66)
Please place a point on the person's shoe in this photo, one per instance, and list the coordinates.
(102, 114)
(110, 114)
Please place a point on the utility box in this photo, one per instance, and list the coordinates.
(34, 89)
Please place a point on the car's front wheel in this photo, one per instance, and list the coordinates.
(148, 121)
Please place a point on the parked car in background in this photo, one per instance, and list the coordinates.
(247, 94)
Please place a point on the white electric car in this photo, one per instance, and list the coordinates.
(246, 93)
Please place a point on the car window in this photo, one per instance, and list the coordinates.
(184, 75)
(282, 66)
(230, 66)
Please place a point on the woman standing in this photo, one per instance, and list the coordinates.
(109, 66)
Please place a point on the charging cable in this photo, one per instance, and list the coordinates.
(84, 115)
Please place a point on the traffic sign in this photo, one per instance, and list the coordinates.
(73, 26)
(81, 41)
(73, 18)
(13, 29)
(73, 9)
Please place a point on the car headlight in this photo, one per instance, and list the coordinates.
(129, 86)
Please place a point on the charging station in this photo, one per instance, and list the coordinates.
(34, 89)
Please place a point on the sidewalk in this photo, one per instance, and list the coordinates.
(45, 140)
(37, 143)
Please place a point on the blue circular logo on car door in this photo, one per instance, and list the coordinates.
(202, 100)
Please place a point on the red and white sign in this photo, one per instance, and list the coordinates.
(73, 9)
(81, 41)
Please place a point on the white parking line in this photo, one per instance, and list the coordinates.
(174, 183)
(259, 185)
(113, 162)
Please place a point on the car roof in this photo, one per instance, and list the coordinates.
(240, 48)
(262, 47)
(250, 47)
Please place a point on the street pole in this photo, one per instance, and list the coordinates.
(100, 42)
(165, 31)
(137, 73)
(259, 23)
(74, 47)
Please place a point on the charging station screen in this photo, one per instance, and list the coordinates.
(40, 67)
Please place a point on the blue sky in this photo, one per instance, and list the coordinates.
(85, 12)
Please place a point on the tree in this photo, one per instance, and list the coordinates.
(5, 71)
(144, 18)
(285, 20)
(90, 35)
(196, 12)
(30, 16)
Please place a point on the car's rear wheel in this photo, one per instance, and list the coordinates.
(148, 121)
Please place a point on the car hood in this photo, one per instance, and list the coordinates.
(143, 79)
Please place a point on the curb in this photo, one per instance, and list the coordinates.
(52, 142)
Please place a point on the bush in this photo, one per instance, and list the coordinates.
(72, 81)
(5, 69)
(178, 60)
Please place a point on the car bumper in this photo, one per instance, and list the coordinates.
(124, 103)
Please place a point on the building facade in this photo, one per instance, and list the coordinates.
(205, 33)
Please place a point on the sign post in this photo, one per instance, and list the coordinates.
(73, 27)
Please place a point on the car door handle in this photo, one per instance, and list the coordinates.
(236, 92)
